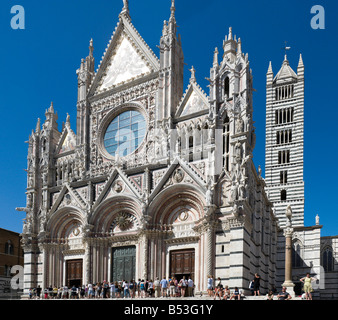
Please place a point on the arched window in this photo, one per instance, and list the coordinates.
(297, 260)
(226, 143)
(191, 148)
(327, 259)
(226, 87)
(9, 247)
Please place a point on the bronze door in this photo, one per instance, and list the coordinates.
(74, 273)
(123, 263)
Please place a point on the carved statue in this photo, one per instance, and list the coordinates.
(239, 126)
(209, 197)
(317, 219)
(234, 192)
(238, 152)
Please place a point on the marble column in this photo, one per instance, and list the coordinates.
(288, 233)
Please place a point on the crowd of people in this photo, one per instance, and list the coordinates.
(120, 289)
(163, 288)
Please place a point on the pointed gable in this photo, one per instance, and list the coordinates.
(127, 58)
(118, 183)
(67, 142)
(285, 73)
(126, 64)
(194, 101)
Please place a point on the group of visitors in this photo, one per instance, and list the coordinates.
(163, 288)
(119, 289)
(222, 292)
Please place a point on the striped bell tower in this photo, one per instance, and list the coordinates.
(285, 141)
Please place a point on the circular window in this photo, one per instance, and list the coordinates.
(125, 133)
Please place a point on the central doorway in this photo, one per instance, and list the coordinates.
(123, 263)
(74, 273)
(182, 263)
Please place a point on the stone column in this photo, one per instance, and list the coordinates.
(288, 232)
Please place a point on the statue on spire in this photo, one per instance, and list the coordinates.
(126, 5)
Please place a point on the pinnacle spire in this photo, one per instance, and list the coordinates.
(91, 48)
(230, 34)
(172, 9)
(300, 64)
(38, 126)
(215, 62)
(270, 68)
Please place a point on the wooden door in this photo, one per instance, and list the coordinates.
(182, 263)
(74, 272)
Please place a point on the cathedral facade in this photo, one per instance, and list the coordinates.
(158, 180)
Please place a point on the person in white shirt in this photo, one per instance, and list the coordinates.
(190, 287)
(157, 286)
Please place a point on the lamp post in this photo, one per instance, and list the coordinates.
(288, 232)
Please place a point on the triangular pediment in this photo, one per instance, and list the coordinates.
(193, 102)
(125, 65)
(127, 58)
(68, 197)
(67, 142)
(286, 73)
(179, 172)
(117, 184)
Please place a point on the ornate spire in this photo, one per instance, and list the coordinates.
(230, 34)
(91, 48)
(172, 9)
(38, 126)
(215, 62)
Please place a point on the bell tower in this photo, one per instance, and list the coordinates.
(285, 140)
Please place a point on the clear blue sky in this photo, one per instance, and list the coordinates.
(38, 65)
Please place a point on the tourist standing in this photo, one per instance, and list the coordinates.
(126, 292)
(105, 288)
(157, 287)
(138, 288)
(164, 287)
(151, 288)
(142, 288)
(307, 288)
(172, 287)
(218, 289)
(90, 291)
(190, 287)
(210, 285)
(132, 288)
(183, 286)
(256, 284)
